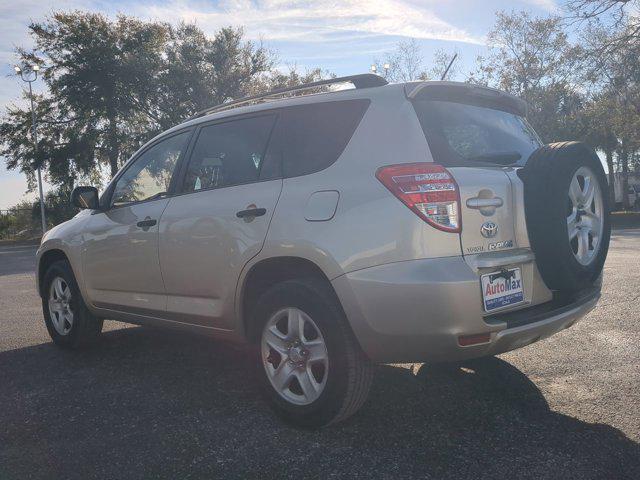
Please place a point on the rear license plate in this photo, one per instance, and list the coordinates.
(501, 289)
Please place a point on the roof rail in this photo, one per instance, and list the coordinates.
(364, 80)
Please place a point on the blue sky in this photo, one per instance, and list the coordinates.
(340, 36)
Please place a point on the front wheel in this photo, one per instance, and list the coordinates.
(69, 322)
(312, 369)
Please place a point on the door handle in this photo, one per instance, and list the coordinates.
(478, 203)
(251, 212)
(147, 223)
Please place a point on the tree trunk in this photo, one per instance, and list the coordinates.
(612, 178)
(623, 157)
(113, 147)
(113, 164)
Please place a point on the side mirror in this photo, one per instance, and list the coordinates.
(85, 197)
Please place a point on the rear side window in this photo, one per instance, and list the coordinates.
(311, 137)
(230, 153)
(461, 134)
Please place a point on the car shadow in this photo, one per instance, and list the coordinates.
(147, 403)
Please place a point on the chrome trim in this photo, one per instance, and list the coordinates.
(504, 258)
(477, 202)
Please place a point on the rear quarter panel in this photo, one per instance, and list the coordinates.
(370, 226)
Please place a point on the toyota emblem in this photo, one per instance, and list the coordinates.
(489, 229)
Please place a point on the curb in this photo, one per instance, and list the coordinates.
(17, 243)
(624, 220)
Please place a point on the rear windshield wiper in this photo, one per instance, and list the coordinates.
(501, 158)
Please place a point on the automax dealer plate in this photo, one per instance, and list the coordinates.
(501, 289)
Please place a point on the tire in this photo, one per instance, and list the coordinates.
(80, 329)
(342, 382)
(552, 211)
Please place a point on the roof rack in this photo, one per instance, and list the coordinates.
(364, 80)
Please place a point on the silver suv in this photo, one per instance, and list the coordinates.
(417, 222)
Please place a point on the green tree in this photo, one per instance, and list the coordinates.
(57, 206)
(198, 72)
(406, 64)
(111, 85)
(612, 48)
(533, 59)
(96, 71)
(618, 16)
(599, 120)
(290, 78)
(19, 222)
(617, 76)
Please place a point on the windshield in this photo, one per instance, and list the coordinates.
(461, 134)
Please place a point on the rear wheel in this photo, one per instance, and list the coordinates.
(312, 369)
(295, 356)
(68, 321)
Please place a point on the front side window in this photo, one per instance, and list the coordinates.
(150, 174)
(230, 153)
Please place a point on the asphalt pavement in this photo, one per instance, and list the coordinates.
(148, 403)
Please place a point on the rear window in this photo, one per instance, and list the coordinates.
(461, 134)
(309, 138)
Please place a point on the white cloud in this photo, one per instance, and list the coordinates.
(311, 21)
(15, 17)
(327, 22)
(548, 5)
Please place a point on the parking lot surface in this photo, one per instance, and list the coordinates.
(150, 403)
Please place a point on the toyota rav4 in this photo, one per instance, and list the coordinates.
(416, 222)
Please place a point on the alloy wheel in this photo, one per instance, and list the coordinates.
(585, 215)
(60, 306)
(295, 356)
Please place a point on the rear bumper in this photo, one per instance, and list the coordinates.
(535, 323)
(415, 311)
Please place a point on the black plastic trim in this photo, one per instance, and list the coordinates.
(363, 80)
(562, 302)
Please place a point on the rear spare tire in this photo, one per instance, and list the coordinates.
(567, 213)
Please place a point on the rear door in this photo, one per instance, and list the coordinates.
(219, 219)
(481, 143)
(482, 138)
(487, 210)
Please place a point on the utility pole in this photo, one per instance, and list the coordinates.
(26, 77)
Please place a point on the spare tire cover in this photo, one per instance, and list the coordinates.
(567, 214)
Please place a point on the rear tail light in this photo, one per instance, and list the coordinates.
(427, 189)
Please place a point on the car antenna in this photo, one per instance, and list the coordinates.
(444, 75)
